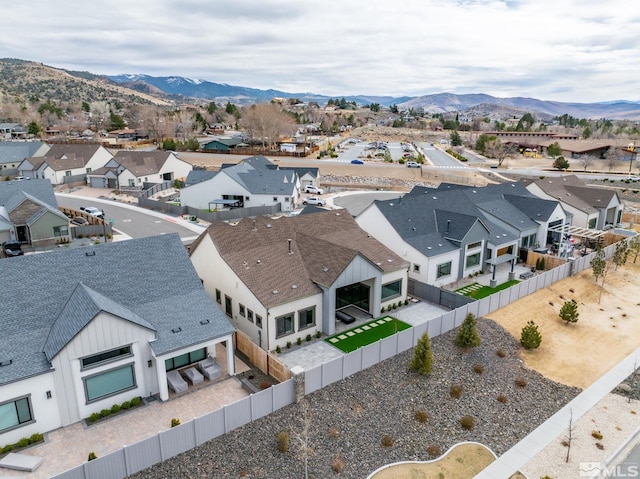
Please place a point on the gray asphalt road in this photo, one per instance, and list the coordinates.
(133, 221)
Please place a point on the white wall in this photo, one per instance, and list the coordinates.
(390, 277)
(199, 195)
(293, 307)
(44, 411)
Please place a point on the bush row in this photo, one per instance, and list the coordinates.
(115, 409)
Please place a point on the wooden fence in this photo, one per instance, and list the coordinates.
(263, 360)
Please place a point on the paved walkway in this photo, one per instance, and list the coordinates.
(69, 447)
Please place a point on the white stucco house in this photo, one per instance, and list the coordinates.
(255, 181)
(451, 232)
(65, 163)
(109, 331)
(280, 279)
(12, 153)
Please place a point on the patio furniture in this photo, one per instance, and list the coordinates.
(526, 275)
(176, 382)
(346, 318)
(210, 368)
(194, 376)
(21, 462)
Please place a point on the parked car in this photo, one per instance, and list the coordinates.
(20, 178)
(92, 210)
(313, 189)
(80, 221)
(314, 200)
(357, 162)
(413, 164)
(12, 248)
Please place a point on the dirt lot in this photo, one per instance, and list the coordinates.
(606, 332)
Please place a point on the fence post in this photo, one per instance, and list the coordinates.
(297, 373)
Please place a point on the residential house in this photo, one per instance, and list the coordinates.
(66, 163)
(133, 169)
(451, 232)
(222, 144)
(12, 153)
(591, 207)
(124, 315)
(255, 181)
(12, 131)
(280, 279)
(29, 213)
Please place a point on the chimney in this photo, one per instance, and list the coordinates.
(448, 226)
(290, 250)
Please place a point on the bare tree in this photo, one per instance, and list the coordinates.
(266, 122)
(586, 161)
(301, 437)
(567, 442)
(495, 149)
(613, 157)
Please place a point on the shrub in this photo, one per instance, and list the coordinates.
(175, 422)
(7, 448)
(337, 465)
(478, 368)
(92, 456)
(386, 441)
(288, 344)
(334, 433)
(530, 337)
(500, 353)
(125, 405)
(278, 350)
(467, 422)
(455, 391)
(422, 361)
(308, 338)
(596, 435)
(434, 451)
(94, 417)
(468, 336)
(299, 341)
(421, 415)
(318, 334)
(105, 412)
(136, 401)
(521, 382)
(22, 442)
(283, 441)
(569, 312)
(36, 438)
(502, 398)
(115, 408)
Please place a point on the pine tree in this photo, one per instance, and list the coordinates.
(468, 336)
(530, 338)
(569, 311)
(598, 263)
(422, 361)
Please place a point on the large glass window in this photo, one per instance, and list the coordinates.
(109, 383)
(306, 317)
(105, 357)
(473, 260)
(391, 290)
(15, 413)
(284, 325)
(185, 359)
(444, 269)
(218, 296)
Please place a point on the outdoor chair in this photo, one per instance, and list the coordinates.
(194, 376)
(210, 368)
(176, 382)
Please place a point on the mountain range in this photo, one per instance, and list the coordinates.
(26, 79)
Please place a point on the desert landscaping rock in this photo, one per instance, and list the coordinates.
(383, 400)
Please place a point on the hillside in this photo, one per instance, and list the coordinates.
(24, 79)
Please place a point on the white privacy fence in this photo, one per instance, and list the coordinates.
(169, 443)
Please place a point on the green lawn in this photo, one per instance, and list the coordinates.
(478, 291)
(362, 335)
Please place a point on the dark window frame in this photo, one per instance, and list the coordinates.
(27, 398)
(304, 312)
(396, 294)
(130, 365)
(106, 357)
(443, 269)
(281, 332)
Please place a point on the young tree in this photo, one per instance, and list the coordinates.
(455, 138)
(422, 361)
(266, 122)
(560, 163)
(530, 337)
(598, 263)
(569, 312)
(554, 150)
(613, 157)
(634, 246)
(621, 254)
(468, 336)
(586, 161)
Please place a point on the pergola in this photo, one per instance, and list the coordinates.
(577, 231)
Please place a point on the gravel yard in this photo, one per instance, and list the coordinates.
(348, 420)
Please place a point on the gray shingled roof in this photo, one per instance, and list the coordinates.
(149, 278)
(198, 176)
(13, 151)
(141, 163)
(254, 176)
(41, 189)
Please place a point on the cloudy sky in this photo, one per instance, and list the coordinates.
(562, 50)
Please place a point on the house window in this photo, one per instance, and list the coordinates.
(306, 318)
(246, 198)
(228, 307)
(284, 325)
(132, 182)
(67, 173)
(391, 290)
(444, 270)
(258, 320)
(241, 310)
(275, 199)
(15, 413)
(416, 268)
(88, 170)
(106, 357)
(60, 230)
(108, 383)
(592, 223)
(474, 245)
(250, 315)
(185, 359)
(218, 296)
(473, 260)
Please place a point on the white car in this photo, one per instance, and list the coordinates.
(92, 210)
(314, 200)
(413, 164)
(313, 189)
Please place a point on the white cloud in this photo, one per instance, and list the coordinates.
(566, 51)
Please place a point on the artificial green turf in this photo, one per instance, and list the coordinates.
(485, 291)
(358, 340)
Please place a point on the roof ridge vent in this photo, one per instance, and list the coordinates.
(90, 253)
